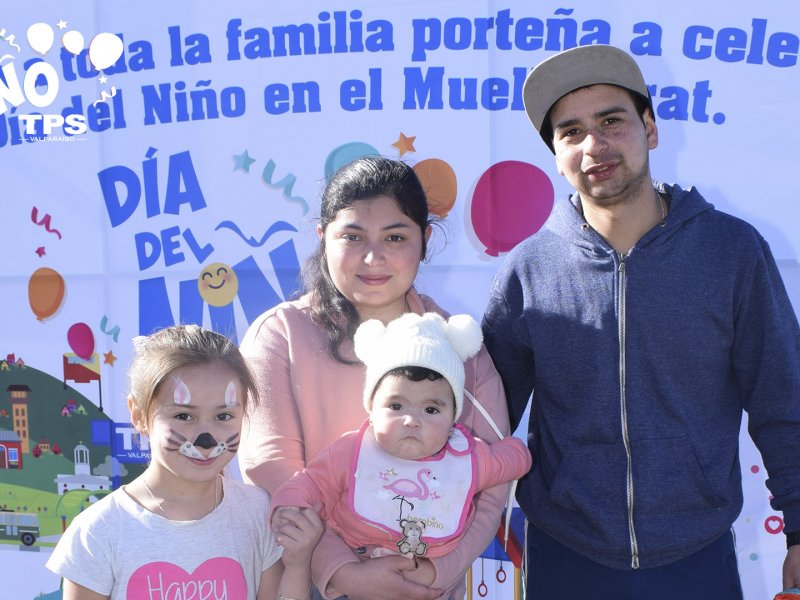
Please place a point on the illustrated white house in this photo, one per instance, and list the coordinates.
(83, 478)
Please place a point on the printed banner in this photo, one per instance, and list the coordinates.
(162, 163)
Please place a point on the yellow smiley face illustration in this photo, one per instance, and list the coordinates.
(218, 284)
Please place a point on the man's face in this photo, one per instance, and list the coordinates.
(601, 144)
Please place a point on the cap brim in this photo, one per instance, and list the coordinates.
(572, 69)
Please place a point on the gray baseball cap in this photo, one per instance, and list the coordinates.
(575, 68)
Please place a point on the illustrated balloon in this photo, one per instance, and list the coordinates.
(73, 42)
(81, 340)
(511, 201)
(439, 182)
(104, 50)
(40, 37)
(45, 292)
(347, 153)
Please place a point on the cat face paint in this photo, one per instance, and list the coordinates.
(230, 395)
(206, 441)
(181, 395)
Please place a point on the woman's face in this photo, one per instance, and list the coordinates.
(373, 253)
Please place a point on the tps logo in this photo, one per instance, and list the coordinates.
(40, 82)
(128, 445)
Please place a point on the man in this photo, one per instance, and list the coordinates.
(644, 322)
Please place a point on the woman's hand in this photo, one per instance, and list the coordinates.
(384, 578)
(423, 574)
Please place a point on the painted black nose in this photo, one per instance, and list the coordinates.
(205, 441)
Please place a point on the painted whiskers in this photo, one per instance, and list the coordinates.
(206, 441)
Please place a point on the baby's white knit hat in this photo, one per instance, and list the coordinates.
(414, 340)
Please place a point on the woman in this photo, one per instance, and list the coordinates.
(373, 233)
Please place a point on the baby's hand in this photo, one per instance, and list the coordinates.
(298, 530)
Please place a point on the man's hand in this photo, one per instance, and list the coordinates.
(791, 568)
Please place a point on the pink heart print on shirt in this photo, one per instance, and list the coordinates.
(214, 579)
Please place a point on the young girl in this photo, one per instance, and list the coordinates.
(405, 482)
(182, 530)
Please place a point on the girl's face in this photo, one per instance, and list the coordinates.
(412, 419)
(373, 252)
(195, 421)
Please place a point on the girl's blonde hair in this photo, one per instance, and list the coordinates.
(159, 354)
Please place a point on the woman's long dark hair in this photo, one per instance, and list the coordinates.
(362, 179)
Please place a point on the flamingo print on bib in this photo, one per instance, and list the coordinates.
(411, 489)
(386, 490)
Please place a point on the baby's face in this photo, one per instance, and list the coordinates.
(412, 419)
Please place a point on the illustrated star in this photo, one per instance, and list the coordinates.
(62, 24)
(102, 79)
(405, 144)
(40, 251)
(243, 162)
(109, 358)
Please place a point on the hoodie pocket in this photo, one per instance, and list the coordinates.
(588, 475)
(669, 474)
(675, 506)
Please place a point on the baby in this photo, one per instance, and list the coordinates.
(405, 481)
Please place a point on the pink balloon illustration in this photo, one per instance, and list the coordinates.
(81, 340)
(104, 50)
(511, 201)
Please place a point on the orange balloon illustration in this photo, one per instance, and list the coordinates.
(45, 292)
(439, 182)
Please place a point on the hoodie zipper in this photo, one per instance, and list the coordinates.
(624, 410)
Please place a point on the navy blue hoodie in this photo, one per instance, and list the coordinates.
(640, 366)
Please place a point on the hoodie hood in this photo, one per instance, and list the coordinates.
(566, 220)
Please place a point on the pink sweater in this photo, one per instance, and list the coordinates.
(326, 485)
(308, 400)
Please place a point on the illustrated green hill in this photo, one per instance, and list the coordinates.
(46, 399)
(53, 511)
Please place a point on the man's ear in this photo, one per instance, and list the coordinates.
(137, 417)
(651, 129)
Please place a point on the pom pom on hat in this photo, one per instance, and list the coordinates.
(414, 340)
(465, 335)
(368, 339)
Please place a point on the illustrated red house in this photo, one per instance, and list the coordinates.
(10, 450)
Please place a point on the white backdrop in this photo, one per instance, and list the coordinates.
(209, 140)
